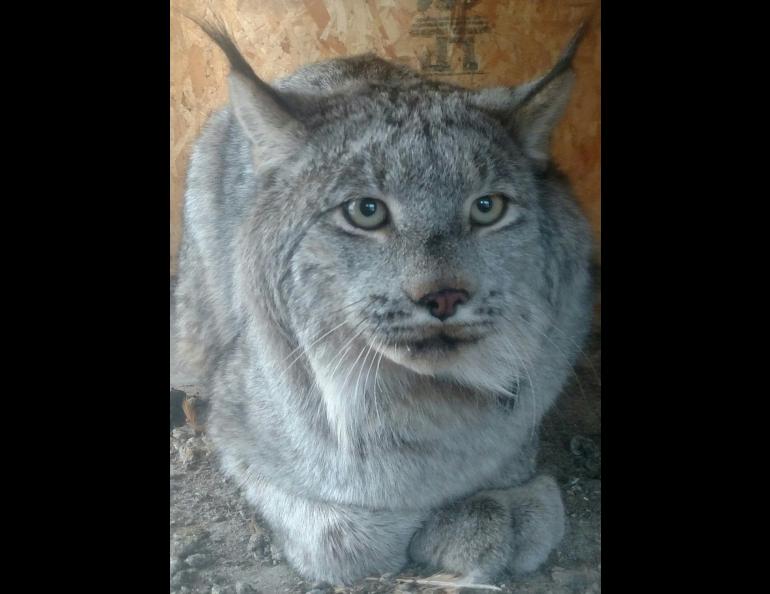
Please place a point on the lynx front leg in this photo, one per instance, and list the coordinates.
(336, 543)
(482, 535)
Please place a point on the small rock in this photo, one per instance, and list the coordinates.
(185, 576)
(588, 454)
(582, 447)
(187, 541)
(276, 554)
(256, 543)
(242, 588)
(199, 560)
(222, 590)
(182, 433)
(193, 450)
(176, 566)
(321, 588)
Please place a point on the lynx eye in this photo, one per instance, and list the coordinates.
(366, 213)
(488, 209)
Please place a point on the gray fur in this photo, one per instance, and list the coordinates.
(358, 452)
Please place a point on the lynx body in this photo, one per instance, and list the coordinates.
(377, 389)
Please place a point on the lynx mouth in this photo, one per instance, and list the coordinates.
(432, 343)
(440, 343)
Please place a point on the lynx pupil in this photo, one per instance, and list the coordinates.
(368, 207)
(484, 204)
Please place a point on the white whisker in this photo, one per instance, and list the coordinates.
(304, 350)
(555, 326)
(341, 354)
(533, 394)
(524, 327)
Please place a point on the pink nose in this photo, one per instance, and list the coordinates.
(442, 304)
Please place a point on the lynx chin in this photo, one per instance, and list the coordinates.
(383, 284)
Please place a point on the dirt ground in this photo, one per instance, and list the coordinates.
(219, 546)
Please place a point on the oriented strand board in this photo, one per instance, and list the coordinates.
(475, 43)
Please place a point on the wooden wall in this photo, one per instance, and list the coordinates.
(475, 43)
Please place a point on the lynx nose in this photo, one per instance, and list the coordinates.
(442, 304)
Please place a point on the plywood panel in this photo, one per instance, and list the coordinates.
(470, 42)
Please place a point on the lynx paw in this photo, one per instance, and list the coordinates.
(483, 535)
(473, 537)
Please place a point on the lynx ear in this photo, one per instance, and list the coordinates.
(532, 110)
(262, 113)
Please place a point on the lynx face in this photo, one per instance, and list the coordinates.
(427, 245)
(386, 220)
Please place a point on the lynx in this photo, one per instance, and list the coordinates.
(383, 284)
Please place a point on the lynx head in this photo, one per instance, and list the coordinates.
(401, 222)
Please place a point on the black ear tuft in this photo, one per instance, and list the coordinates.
(563, 65)
(219, 35)
(261, 111)
(531, 111)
